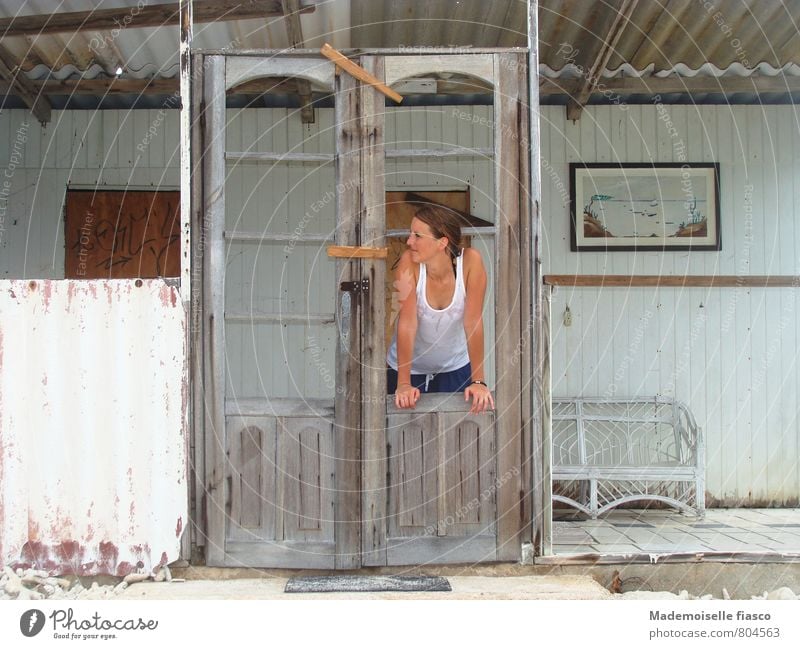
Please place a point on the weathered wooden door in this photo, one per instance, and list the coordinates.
(282, 379)
(441, 485)
(301, 476)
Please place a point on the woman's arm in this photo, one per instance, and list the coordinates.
(405, 284)
(475, 284)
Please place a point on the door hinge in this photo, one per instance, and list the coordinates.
(358, 286)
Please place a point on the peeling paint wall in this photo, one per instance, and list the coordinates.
(93, 393)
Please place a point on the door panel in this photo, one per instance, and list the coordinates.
(441, 483)
(280, 481)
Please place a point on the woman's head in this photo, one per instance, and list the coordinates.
(443, 223)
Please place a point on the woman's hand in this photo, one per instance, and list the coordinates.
(406, 396)
(481, 398)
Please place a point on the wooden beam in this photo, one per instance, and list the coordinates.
(683, 281)
(668, 85)
(547, 87)
(205, 11)
(589, 82)
(22, 86)
(291, 14)
(358, 72)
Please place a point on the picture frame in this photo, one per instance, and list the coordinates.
(644, 206)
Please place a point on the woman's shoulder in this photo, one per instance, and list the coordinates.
(406, 264)
(472, 258)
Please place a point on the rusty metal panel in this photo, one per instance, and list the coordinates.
(93, 397)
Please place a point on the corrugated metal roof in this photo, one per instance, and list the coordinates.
(664, 36)
(153, 51)
(679, 38)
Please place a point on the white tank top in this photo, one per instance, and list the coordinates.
(440, 344)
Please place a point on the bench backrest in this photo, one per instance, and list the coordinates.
(624, 432)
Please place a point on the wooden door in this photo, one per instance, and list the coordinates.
(343, 480)
(441, 485)
(281, 439)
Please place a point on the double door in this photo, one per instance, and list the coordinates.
(308, 464)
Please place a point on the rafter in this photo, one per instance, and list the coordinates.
(590, 81)
(149, 16)
(291, 14)
(21, 86)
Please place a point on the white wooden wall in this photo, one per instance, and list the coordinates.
(78, 147)
(730, 354)
(732, 360)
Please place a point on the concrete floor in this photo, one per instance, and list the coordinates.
(626, 531)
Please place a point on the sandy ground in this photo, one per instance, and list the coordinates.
(464, 588)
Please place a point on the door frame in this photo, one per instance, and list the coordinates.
(361, 221)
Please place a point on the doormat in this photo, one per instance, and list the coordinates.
(364, 584)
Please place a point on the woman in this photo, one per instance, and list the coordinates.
(438, 343)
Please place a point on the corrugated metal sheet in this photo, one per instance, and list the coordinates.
(730, 354)
(93, 399)
(153, 51)
(665, 36)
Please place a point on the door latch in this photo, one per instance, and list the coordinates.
(358, 286)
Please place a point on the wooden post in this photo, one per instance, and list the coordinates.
(214, 301)
(527, 314)
(347, 423)
(540, 476)
(546, 544)
(196, 314)
(507, 309)
(186, 227)
(373, 354)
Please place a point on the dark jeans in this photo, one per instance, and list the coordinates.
(454, 381)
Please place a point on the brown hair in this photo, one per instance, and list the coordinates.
(443, 222)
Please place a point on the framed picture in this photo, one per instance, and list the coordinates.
(642, 206)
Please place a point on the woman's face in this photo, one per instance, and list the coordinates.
(422, 243)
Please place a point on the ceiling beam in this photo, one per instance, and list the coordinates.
(21, 86)
(673, 85)
(589, 82)
(291, 14)
(547, 87)
(205, 11)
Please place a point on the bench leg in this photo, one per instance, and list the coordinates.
(593, 498)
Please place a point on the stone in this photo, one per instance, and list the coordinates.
(13, 584)
(782, 593)
(136, 577)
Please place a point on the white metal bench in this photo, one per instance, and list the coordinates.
(626, 450)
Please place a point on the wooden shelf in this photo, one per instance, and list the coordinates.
(688, 281)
